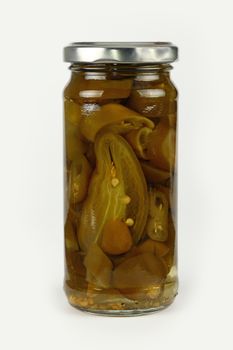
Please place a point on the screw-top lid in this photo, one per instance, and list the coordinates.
(121, 52)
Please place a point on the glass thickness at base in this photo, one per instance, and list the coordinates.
(122, 313)
(113, 303)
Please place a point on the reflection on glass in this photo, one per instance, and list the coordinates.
(147, 77)
(91, 93)
(152, 93)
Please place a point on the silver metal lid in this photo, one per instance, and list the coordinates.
(121, 52)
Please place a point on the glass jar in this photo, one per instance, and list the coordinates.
(120, 122)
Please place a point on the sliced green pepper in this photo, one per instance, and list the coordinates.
(97, 87)
(70, 236)
(74, 144)
(117, 191)
(72, 112)
(80, 172)
(139, 140)
(99, 267)
(153, 174)
(157, 224)
(111, 114)
(140, 271)
(153, 98)
(161, 147)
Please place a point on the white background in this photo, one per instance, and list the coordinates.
(34, 312)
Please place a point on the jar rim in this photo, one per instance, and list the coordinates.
(121, 52)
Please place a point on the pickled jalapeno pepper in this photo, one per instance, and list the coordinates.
(120, 178)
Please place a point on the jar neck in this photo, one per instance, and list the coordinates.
(120, 68)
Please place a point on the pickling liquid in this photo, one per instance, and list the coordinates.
(120, 190)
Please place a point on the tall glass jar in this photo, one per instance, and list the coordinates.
(120, 117)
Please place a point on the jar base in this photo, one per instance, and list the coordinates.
(104, 304)
(123, 313)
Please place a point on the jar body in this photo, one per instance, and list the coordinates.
(120, 188)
